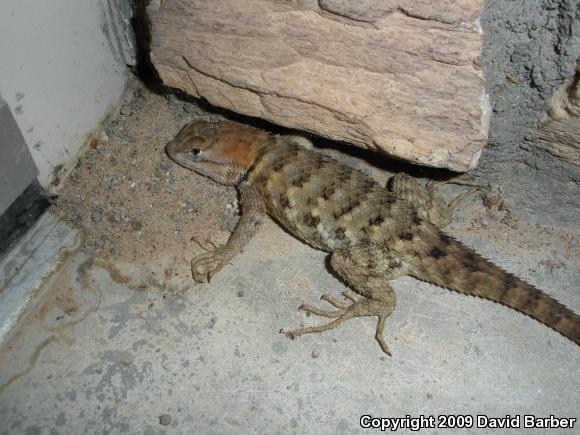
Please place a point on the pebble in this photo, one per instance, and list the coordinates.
(140, 103)
(115, 218)
(232, 223)
(136, 225)
(125, 109)
(189, 205)
(172, 100)
(193, 108)
(165, 420)
(168, 188)
(110, 129)
(91, 245)
(166, 165)
(96, 214)
(88, 249)
(233, 206)
(107, 180)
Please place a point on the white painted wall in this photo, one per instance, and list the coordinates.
(62, 68)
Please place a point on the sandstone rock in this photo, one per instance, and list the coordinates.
(399, 76)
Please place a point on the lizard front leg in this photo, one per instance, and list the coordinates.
(366, 269)
(204, 266)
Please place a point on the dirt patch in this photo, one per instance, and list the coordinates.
(138, 208)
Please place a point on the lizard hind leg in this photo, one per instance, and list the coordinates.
(433, 187)
(366, 269)
(428, 200)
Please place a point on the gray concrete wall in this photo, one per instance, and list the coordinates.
(62, 68)
(16, 164)
(530, 48)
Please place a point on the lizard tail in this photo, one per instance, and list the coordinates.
(448, 263)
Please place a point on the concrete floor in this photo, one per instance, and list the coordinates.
(94, 356)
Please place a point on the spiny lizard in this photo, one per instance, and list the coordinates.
(373, 234)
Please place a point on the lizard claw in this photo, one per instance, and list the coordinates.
(205, 266)
(289, 334)
(350, 295)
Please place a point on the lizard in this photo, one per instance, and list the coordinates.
(373, 233)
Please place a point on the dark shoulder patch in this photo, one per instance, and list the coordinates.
(445, 239)
(328, 191)
(471, 265)
(406, 236)
(377, 220)
(284, 201)
(436, 253)
(348, 207)
(511, 281)
(260, 180)
(300, 179)
(311, 221)
(278, 165)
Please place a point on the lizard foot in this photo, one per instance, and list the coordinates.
(357, 307)
(204, 266)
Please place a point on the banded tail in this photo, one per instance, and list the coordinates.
(448, 263)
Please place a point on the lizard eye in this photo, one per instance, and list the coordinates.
(195, 152)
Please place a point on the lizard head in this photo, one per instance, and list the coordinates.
(223, 151)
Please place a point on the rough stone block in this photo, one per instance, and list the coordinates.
(398, 76)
